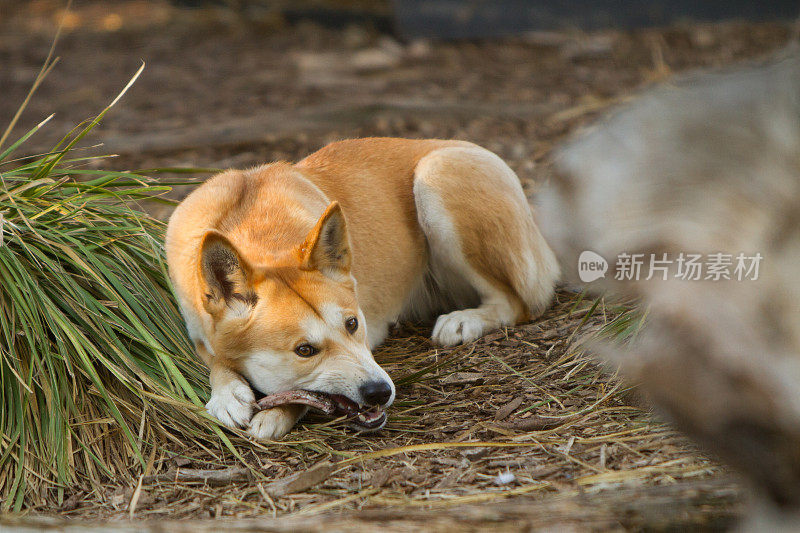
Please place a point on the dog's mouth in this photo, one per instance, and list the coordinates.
(360, 417)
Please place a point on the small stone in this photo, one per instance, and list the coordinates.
(372, 59)
(505, 478)
(419, 49)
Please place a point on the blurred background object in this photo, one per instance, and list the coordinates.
(705, 165)
(471, 19)
(461, 19)
(328, 13)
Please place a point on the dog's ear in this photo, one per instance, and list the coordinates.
(327, 246)
(225, 275)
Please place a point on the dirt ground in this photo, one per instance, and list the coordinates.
(519, 429)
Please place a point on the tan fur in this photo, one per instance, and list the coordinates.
(373, 228)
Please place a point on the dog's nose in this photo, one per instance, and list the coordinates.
(376, 392)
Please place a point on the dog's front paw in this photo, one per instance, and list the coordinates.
(273, 424)
(459, 327)
(232, 404)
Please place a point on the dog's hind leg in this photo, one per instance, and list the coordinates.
(485, 248)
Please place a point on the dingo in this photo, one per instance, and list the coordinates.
(289, 274)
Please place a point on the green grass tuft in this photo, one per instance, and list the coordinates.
(95, 366)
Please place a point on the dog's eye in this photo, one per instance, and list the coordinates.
(351, 324)
(306, 350)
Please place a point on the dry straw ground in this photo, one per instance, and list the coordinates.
(520, 413)
(521, 428)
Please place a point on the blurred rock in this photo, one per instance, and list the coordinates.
(703, 37)
(588, 47)
(372, 59)
(343, 68)
(419, 48)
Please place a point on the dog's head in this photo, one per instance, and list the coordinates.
(297, 325)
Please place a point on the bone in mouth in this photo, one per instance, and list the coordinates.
(362, 418)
